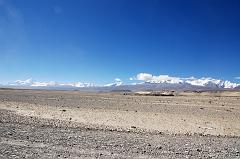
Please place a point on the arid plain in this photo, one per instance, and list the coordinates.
(72, 124)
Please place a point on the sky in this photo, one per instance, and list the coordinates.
(98, 41)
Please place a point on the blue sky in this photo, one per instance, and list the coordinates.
(98, 41)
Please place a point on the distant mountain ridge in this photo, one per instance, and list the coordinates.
(237, 88)
(204, 82)
(168, 84)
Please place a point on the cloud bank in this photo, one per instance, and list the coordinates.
(157, 79)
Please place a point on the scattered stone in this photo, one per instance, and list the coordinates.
(22, 137)
(199, 150)
(159, 147)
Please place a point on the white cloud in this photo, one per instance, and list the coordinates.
(158, 79)
(117, 80)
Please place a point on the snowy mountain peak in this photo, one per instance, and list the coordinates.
(143, 79)
(77, 84)
(22, 82)
(118, 82)
(211, 82)
(204, 82)
(32, 83)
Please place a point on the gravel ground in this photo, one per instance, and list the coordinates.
(33, 137)
(22, 137)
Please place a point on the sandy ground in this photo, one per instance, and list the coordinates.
(188, 118)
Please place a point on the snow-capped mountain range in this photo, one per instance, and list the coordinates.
(31, 83)
(143, 81)
(203, 82)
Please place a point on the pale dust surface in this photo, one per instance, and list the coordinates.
(70, 124)
(173, 115)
